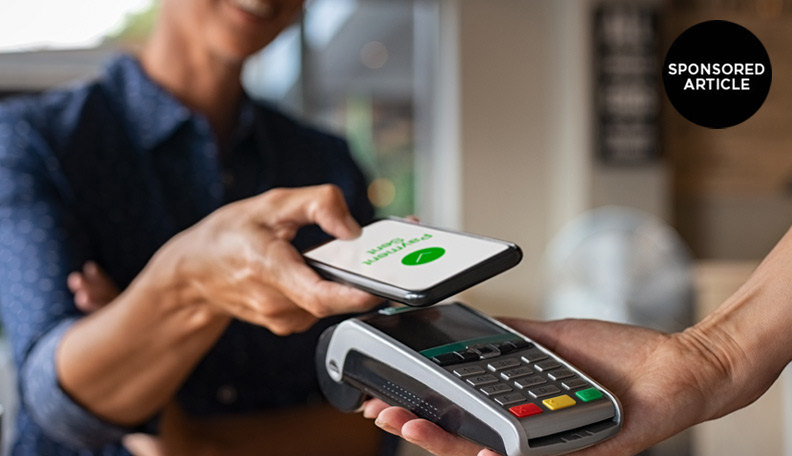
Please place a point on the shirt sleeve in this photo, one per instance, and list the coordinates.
(40, 243)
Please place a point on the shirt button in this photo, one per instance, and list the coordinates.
(226, 394)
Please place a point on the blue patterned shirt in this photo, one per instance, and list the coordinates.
(109, 170)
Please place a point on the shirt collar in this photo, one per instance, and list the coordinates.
(150, 113)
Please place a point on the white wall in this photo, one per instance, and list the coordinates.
(517, 118)
(522, 131)
(506, 138)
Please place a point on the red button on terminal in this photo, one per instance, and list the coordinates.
(521, 411)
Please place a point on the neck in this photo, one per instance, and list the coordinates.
(206, 83)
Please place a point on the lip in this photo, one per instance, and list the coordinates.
(251, 11)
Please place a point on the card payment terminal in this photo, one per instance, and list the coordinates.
(468, 373)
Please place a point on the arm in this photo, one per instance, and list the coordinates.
(39, 244)
(125, 361)
(666, 383)
(122, 363)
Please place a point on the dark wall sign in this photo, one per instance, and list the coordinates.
(626, 65)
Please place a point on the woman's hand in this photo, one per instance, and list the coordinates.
(239, 261)
(665, 383)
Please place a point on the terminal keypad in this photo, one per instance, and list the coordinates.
(519, 377)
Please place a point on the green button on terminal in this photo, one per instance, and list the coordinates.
(589, 394)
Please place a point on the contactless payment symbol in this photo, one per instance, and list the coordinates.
(423, 256)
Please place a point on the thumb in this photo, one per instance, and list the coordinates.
(547, 333)
(140, 444)
(289, 209)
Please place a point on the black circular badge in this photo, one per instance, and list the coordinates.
(717, 74)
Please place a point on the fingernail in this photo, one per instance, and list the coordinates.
(352, 225)
(90, 268)
(385, 427)
(74, 279)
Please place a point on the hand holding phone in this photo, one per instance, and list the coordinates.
(412, 263)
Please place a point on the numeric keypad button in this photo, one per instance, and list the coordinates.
(545, 366)
(560, 374)
(502, 364)
(530, 382)
(574, 383)
(508, 399)
(543, 391)
(482, 380)
(463, 372)
(517, 372)
(496, 389)
(533, 356)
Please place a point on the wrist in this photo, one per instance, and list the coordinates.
(168, 290)
(716, 370)
(737, 364)
(128, 359)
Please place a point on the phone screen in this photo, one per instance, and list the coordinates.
(407, 255)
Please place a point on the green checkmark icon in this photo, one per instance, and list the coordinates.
(423, 256)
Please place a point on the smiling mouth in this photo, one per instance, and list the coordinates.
(258, 8)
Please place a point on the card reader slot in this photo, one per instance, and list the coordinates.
(396, 388)
(569, 419)
(576, 436)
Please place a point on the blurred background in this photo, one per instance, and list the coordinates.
(542, 122)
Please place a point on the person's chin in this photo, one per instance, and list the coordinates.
(239, 53)
(233, 47)
(252, 12)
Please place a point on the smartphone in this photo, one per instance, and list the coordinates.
(412, 263)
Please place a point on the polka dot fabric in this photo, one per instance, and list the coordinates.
(109, 171)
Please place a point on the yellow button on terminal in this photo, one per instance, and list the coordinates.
(559, 402)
